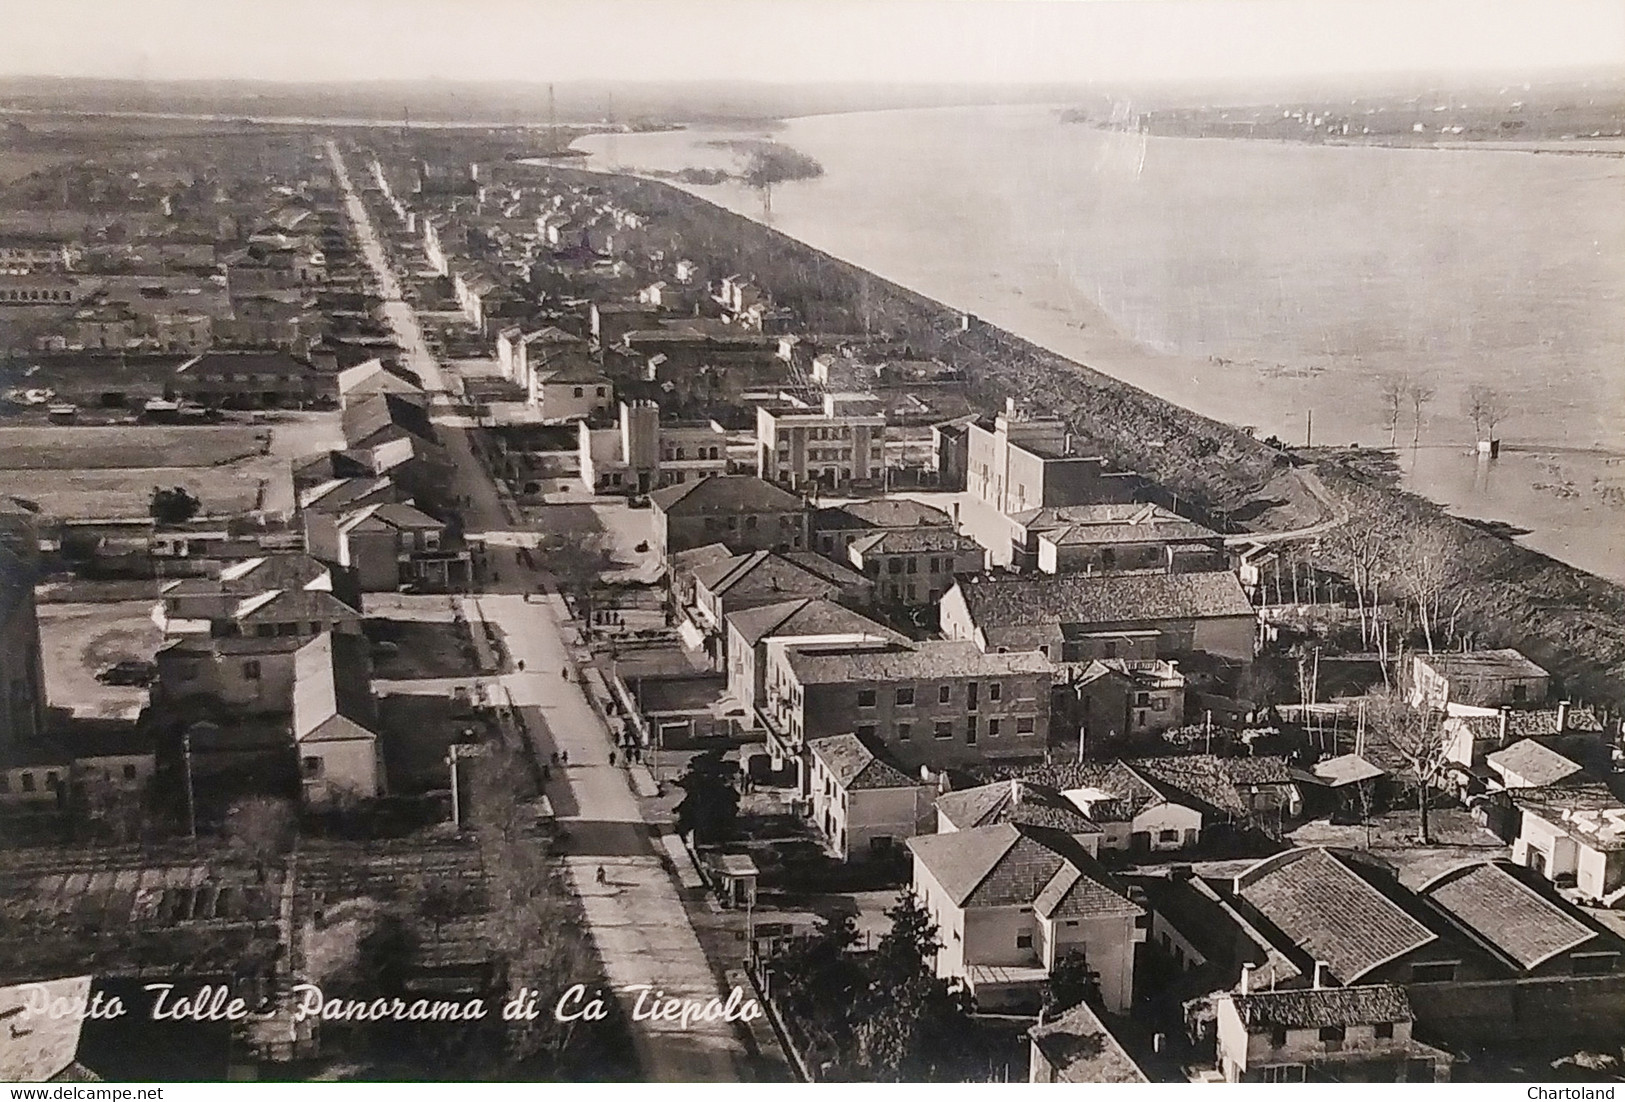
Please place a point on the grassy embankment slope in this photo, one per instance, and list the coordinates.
(1570, 621)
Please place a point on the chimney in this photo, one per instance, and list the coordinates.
(1501, 735)
(1320, 975)
(1247, 978)
(1562, 716)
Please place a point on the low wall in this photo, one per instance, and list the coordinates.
(1560, 1009)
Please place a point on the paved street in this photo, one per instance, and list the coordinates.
(637, 918)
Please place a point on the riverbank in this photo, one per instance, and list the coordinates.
(1570, 621)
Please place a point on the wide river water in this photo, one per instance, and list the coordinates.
(1260, 283)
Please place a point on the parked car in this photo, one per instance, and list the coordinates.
(131, 671)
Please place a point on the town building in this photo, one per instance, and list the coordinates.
(915, 566)
(1345, 1034)
(1573, 833)
(836, 444)
(1015, 463)
(1482, 679)
(254, 380)
(1112, 699)
(641, 454)
(862, 804)
(837, 527)
(334, 722)
(934, 704)
(1085, 541)
(1077, 617)
(1076, 1047)
(388, 545)
(1011, 902)
(764, 578)
(742, 511)
(805, 619)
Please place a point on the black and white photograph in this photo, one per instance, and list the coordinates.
(811, 542)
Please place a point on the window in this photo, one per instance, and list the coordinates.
(932, 564)
(251, 669)
(1383, 1031)
(970, 731)
(311, 766)
(1333, 1034)
(1167, 835)
(945, 729)
(905, 697)
(1024, 941)
(894, 566)
(865, 730)
(1285, 1073)
(52, 780)
(913, 566)
(129, 772)
(903, 731)
(1437, 972)
(750, 522)
(995, 691)
(1520, 692)
(28, 782)
(576, 392)
(1024, 725)
(866, 698)
(945, 693)
(600, 392)
(992, 728)
(1278, 1036)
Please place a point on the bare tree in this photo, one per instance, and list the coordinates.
(1364, 547)
(1427, 570)
(1415, 735)
(1485, 408)
(1392, 388)
(1419, 394)
(577, 561)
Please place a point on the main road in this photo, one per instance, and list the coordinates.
(635, 915)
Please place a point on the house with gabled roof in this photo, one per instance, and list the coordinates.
(1076, 1047)
(862, 803)
(334, 721)
(1011, 902)
(914, 566)
(768, 577)
(390, 544)
(1517, 918)
(1345, 1034)
(1019, 802)
(742, 511)
(804, 618)
(1076, 617)
(835, 527)
(1573, 832)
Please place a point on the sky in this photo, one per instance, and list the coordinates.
(804, 41)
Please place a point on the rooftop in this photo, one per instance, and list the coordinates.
(1534, 763)
(725, 494)
(1325, 1006)
(1104, 598)
(858, 766)
(888, 512)
(1332, 911)
(934, 658)
(1510, 916)
(1016, 866)
(1482, 664)
(903, 541)
(1013, 801)
(805, 616)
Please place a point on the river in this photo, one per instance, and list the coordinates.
(1262, 283)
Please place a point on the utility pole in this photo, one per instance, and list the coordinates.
(1309, 430)
(191, 796)
(552, 122)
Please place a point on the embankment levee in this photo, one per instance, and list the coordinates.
(1569, 621)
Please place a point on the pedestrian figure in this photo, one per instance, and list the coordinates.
(603, 877)
(547, 773)
(612, 757)
(521, 665)
(565, 673)
(564, 757)
(555, 757)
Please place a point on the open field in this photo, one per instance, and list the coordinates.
(79, 640)
(124, 493)
(130, 446)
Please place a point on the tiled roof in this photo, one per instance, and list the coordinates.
(789, 574)
(1347, 769)
(1081, 1050)
(1332, 912)
(932, 658)
(1017, 866)
(1470, 665)
(1104, 598)
(1013, 801)
(1534, 763)
(1326, 1006)
(903, 541)
(805, 616)
(724, 494)
(886, 512)
(1515, 919)
(1162, 530)
(856, 766)
(295, 604)
(332, 692)
(1059, 516)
